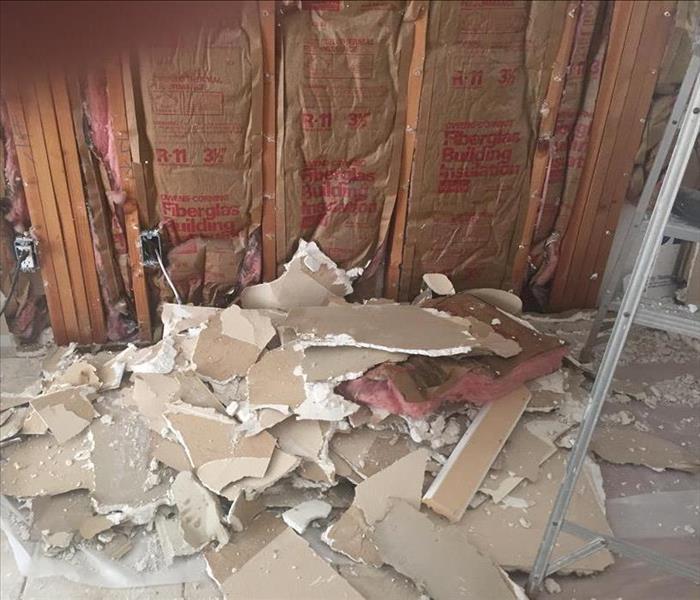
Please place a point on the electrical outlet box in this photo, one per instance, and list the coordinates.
(150, 247)
(26, 254)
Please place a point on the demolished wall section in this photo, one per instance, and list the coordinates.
(342, 94)
(202, 97)
(486, 68)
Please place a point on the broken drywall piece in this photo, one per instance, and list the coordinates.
(462, 475)
(151, 394)
(58, 359)
(368, 451)
(5, 416)
(305, 439)
(177, 318)
(495, 529)
(530, 444)
(158, 358)
(199, 510)
(62, 513)
(218, 453)
(192, 390)
(438, 559)
(111, 371)
(8, 400)
(627, 445)
(224, 562)
(13, 422)
(121, 457)
(403, 479)
(288, 563)
(169, 453)
(506, 301)
(80, 373)
(171, 536)
(281, 464)
(310, 279)
(547, 392)
(95, 524)
(243, 511)
(275, 380)
(323, 404)
(34, 424)
(311, 471)
(391, 327)
(66, 412)
(334, 365)
(380, 584)
(250, 326)
(439, 284)
(343, 469)
(40, 466)
(351, 536)
(290, 290)
(488, 341)
(205, 434)
(310, 259)
(230, 343)
(302, 515)
(251, 457)
(269, 417)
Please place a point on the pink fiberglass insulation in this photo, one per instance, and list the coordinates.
(120, 323)
(393, 387)
(101, 133)
(421, 385)
(16, 214)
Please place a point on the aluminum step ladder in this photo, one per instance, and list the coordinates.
(649, 314)
(686, 115)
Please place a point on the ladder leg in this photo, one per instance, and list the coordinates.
(613, 276)
(640, 275)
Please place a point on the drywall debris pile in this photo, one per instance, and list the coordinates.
(421, 443)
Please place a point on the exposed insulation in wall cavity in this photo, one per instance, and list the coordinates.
(570, 144)
(202, 97)
(486, 70)
(340, 126)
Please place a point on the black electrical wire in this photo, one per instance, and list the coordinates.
(15, 278)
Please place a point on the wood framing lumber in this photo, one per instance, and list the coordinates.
(625, 15)
(542, 159)
(109, 275)
(657, 29)
(79, 215)
(269, 144)
(644, 45)
(413, 94)
(117, 106)
(48, 258)
(63, 203)
(138, 172)
(465, 469)
(57, 245)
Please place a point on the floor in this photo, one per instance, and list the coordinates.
(659, 510)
